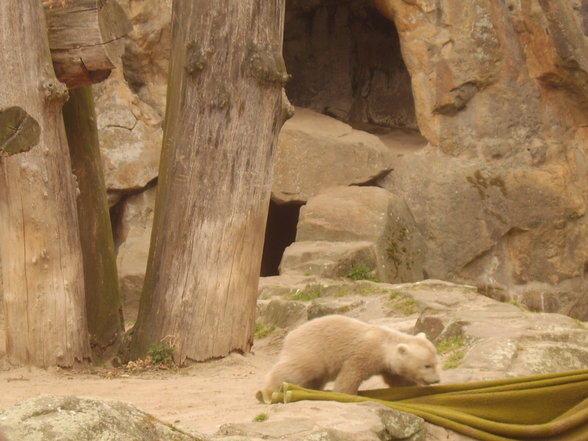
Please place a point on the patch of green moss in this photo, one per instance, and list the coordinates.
(263, 329)
(454, 359)
(260, 417)
(518, 305)
(367, 289)
(403, 303)
(450, 344)
(455, 348)
(310, 292)
(362, 272)
(340, 291)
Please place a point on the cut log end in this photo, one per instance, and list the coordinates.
(85, 37)
(19, 131)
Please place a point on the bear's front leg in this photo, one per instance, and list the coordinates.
(349, 379)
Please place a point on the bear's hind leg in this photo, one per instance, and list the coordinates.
(294, 373)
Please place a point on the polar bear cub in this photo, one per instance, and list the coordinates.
(350, 351)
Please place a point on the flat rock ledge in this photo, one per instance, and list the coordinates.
(329, 421)
(71, 418)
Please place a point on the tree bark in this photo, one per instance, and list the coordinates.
(41, 253)
(84, 37)
(103, 303)
(224, 111)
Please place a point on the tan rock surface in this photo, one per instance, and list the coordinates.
(351, 214)
(316, 152)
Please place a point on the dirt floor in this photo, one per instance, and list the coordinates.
(200, 397)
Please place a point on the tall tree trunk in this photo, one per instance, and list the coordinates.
(103, 304)
(224, 111)
(40, 245)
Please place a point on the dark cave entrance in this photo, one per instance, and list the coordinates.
(345, 61)
(280, 232)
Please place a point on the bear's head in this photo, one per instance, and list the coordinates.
(416, 360)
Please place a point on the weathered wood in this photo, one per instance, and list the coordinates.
(224, 111)
(103, 303)
(85, 36)
(40, 246)
(19, 131)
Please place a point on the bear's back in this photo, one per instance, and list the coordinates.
(334, 334)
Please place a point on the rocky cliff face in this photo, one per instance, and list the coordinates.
(476, 115)
(501, 92)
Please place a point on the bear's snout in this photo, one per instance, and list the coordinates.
(433, 378)
(427, 381)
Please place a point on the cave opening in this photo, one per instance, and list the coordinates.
(280, 232)
(345, 61)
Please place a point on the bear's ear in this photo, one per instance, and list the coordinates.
(402, 349)
(421, 335)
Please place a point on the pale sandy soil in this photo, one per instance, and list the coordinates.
(200, 397)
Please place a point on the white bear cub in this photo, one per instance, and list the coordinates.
(350, 351)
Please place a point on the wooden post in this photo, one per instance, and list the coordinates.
(41, 253)
(224, 112)
(103, 303)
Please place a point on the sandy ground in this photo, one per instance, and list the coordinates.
(199, 398)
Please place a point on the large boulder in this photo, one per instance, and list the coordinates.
(362, 214)
(70, 418)
(316, 151)
(130, 138)
(509, 228)
(482, 339)
(328, 259)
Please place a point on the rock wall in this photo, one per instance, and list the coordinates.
(480, 107)
(495, 79)
(501, 92)
(130, 105)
